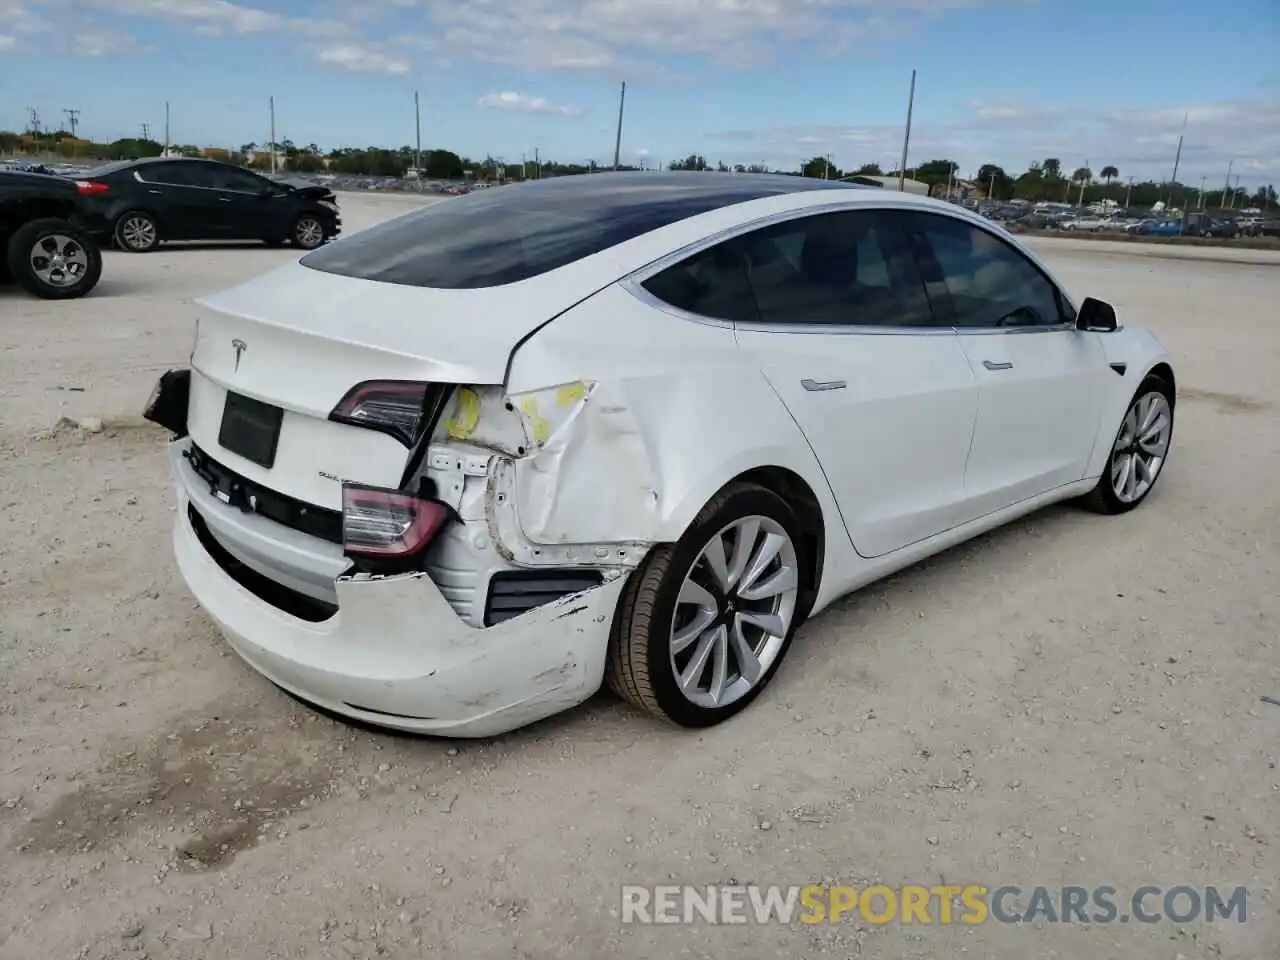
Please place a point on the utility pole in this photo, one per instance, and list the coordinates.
(1083, 180)
(1127, 193)
(537, 162)
(1200, 202)
(524, 167)
(417, 128)
(617, 142)
(271, 105)
(826, 169)
(166, 128)
(1226, 186)
(1177, 159)
(906, 136)
(73, 120)
(34, 122)
(146, 131)
(991, 193)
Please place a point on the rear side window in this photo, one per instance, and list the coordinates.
(712, 284)
(173, 174)
(507, 234)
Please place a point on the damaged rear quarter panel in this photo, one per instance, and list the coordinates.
(672, 417)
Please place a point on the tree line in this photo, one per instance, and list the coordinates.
(1043, 180)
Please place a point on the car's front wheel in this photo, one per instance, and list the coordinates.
(137, 232)
(705, 622)
(1139, 452)
(53, 259)
(308, 232)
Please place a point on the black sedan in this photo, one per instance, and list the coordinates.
(142, 203)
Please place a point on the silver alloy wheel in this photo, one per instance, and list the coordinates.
(138, 233)
(309, 232)
(1141, 446)
(734, 611)
(59, 260)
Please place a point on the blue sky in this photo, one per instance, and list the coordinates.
(771, 81)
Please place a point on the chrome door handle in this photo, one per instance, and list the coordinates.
(992, 365)
(224, 199)
(815, 386)
(157, 192)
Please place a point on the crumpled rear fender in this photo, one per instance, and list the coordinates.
(668, 416)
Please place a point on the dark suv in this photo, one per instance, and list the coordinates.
(142, 203)
(43, 245)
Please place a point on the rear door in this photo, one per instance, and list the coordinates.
(842, 328)
(1039, 378)
(185, 210)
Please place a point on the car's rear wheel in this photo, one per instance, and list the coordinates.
(137, 232)
(53, 259)
(705, 622)
(308, 232)
(1139, 451)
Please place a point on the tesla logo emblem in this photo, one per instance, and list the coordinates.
(239, 346)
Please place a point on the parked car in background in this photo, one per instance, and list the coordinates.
(1159, 228)
(1267, 228)
(1085, 224)
(679, 430)
(43, 245)
(140, 204)
(1203, 225)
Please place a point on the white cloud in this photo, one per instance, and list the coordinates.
(523, 103)
(101, 43)
(362, 58)
(7, 42)
(1141, 143)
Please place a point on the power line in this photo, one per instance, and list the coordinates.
(73, 119)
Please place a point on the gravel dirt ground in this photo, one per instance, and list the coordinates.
(1070, 700)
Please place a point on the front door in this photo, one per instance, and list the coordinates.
(1038, 377)
(846, 337)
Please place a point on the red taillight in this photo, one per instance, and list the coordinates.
(392, 406)
(91, 188)
(383, 524)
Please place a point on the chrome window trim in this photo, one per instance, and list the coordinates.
(634, 282)
(137, 175)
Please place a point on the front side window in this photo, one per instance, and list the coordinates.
(222, 177)
(987, 281)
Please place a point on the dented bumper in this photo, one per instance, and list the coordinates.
(397, 655)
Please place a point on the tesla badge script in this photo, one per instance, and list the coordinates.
(239, 346)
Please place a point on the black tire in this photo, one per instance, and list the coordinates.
(136, 231)
(1103, 498)
(639, 665)
(75, 245)
(308, 232)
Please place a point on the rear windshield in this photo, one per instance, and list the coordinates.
(506, 234)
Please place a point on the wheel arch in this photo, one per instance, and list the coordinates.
(1165, 372)
(800, 496)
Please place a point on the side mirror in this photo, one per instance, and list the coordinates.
(1097, 315)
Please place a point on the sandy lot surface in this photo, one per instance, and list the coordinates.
(1071, 700)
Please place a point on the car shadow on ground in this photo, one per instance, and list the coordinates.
(605, 713)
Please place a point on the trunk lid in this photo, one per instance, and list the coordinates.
(299, 339)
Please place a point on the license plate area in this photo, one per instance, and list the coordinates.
(251, 429)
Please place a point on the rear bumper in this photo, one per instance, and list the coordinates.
(397, 655)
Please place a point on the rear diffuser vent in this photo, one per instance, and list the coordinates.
(513, 592)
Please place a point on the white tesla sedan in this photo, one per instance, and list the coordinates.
(453, 473)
